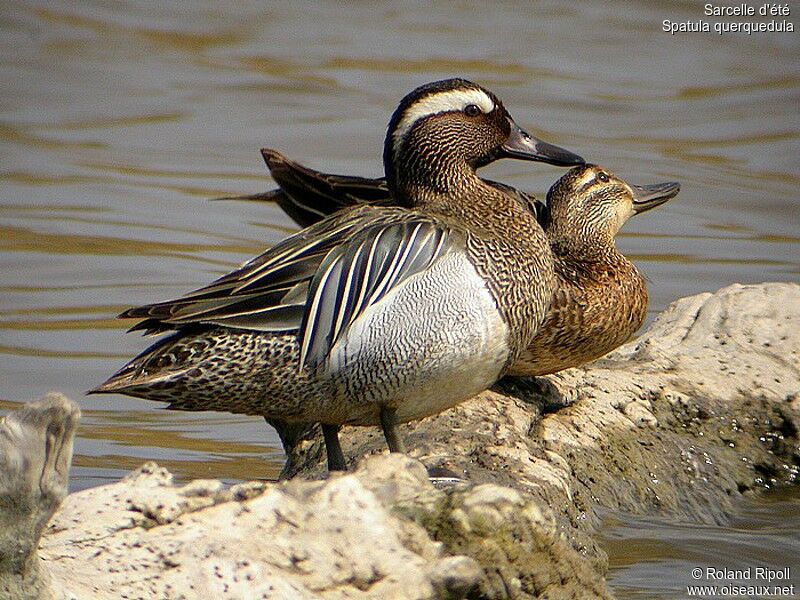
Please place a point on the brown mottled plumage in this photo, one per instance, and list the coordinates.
(600, 298)
(308, 196)
(375, 315)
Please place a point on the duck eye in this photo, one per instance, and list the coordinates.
(472, 110)
(602, 177)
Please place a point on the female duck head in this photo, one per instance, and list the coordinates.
(446, 129)
(589, 205)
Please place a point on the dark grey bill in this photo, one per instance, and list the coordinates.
(524, 146)
(646, 197)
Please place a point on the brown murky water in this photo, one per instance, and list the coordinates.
(119, 121)
(659, 559)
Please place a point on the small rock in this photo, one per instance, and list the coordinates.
(454, 577)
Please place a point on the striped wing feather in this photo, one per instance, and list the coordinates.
(360, 274)
(315, 283)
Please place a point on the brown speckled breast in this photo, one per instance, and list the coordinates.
(596, 307)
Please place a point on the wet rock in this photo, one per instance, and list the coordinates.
(35, 456)
(700, 410)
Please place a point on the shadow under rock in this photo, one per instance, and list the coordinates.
(539, 392)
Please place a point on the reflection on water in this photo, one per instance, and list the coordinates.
(118, 122)
(654, 558)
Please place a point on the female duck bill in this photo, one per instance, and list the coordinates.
(646, 197)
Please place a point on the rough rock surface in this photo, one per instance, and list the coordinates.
(35, 456)
(360, 535)
(700, 410)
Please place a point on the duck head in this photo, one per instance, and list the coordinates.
(589, 205)
(443, 131)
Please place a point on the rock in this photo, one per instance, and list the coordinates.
(333, 539)
(383, 531)
(700, 410)
(35, 456)
(683, 421)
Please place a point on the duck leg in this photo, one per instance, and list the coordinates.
(333, 448)
(389, 425)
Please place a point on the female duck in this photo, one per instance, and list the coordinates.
(376, 315)
(599, 297)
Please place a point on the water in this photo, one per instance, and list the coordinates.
(119, 120)
(659, 559)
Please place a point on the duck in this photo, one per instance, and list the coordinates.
(375, 315)
(600, 298)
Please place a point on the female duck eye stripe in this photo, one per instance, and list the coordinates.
(586, 180)
(450, 100)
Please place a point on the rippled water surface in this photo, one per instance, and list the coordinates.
(118, 122)
(658, 559)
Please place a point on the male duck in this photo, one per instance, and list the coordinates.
(375, 315)
(600, 298)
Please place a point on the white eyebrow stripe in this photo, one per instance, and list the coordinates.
(585, 179)
(436, 103)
